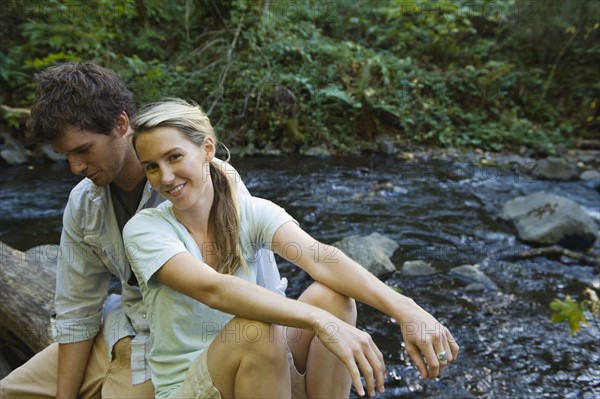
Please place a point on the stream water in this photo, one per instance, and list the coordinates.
(442, 212)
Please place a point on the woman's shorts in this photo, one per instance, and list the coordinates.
(199, 385)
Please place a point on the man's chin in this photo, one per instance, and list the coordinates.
(100, 181)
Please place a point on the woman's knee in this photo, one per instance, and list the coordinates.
(261, 339)
(340, 305)
(246, 349)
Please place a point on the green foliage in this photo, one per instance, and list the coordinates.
(484, 74)
(570, 311)
(573, 311)
(398, 290)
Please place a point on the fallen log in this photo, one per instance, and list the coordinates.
(555, 250)
(588, 144)
(22, 113)
(27, 282)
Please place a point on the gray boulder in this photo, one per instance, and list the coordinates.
(13, 157)
(386, 146)
(12, 151)
(553, 168)
(590, 175)
(417, 268)
(373, 252)
(45, 150)
(317, 152)
(548, 219)
(475, 278)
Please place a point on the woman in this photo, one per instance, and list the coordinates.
(214, 331)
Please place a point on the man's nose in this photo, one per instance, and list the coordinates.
(76, 164)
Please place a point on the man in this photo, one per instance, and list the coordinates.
(84, 111)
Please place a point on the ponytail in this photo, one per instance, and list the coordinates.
(224, 223)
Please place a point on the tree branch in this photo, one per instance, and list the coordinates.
(225, 71)
(555, 250)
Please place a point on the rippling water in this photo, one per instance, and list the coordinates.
(438, 211)
(33, 198)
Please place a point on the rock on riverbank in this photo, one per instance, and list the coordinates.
(548, 219)
(373, 252)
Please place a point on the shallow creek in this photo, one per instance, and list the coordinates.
(442, 212)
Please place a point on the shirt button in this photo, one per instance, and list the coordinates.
(143, 315)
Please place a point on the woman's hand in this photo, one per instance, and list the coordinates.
(430, 345)
(356, 349)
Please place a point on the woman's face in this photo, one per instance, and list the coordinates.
(176, 167)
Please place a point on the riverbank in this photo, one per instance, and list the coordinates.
(564, 164)
(441, 209)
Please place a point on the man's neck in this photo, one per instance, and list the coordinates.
(130, 176)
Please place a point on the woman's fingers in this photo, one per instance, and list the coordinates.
(355, 375)
(372, 365)
(425, 359)
(432, 354)
(415, 354)
(450, 349)
(376, 359)
(367, 372)
(362, 356)
(454, 348)
(442, 351)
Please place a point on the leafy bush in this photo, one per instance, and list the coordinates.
(291, 74)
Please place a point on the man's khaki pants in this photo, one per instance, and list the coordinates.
(103, 379)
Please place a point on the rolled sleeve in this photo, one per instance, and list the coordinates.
(76, 329)
(81, 285)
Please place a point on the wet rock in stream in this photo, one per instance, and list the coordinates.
(547, 219)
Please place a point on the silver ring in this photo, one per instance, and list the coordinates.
(442, 356)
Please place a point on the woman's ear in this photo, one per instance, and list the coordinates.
(209, 147)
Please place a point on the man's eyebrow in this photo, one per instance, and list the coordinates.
(79, 148)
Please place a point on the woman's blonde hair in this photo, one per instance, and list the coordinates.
(224, 219)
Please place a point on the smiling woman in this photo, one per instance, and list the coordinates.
(194, 258)
(172, 172)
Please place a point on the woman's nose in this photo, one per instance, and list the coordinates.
(166, 176)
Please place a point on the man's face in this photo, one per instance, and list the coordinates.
(96, 156)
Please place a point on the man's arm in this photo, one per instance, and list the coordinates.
(81, 289)
(69, 375)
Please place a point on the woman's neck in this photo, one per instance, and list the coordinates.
(195, 219)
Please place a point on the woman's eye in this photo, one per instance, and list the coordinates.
(150, 167)
(174, 157)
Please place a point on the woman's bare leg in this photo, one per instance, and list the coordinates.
(326, 375)
(248, 359)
